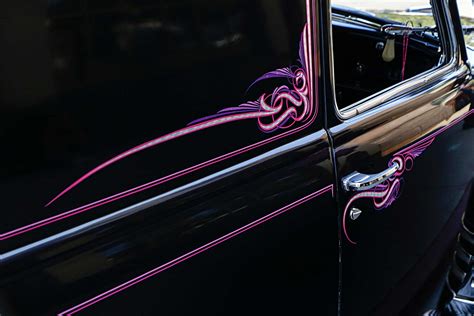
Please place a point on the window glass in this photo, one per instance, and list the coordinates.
(378, 44)
(466, 11)
(417, 12)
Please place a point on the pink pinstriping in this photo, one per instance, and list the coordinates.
(216, 242)
(138, 189)
(269, 111)
(284, 98)
(193, 253)
(146, 186)
(401, 157)
(163, 139)
(389, 196)
(142, 187)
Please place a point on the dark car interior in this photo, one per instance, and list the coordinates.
(364, 72)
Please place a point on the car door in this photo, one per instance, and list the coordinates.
(165, 157)
(404, 161)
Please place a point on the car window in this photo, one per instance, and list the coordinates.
(379, 44)
(418, 12)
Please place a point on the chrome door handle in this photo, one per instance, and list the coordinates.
(359, 182)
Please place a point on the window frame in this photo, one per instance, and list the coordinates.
(448, 62)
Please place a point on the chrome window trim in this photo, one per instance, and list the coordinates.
(448, 63)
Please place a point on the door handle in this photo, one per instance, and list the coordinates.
(359, 182)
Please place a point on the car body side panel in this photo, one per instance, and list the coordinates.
(103, 117)
(277, 219)
(409, 223)
(429, 135)
(245, 218)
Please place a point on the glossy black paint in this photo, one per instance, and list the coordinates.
(114, 75)
(106, 76)
(399, 248)
(288, 248)
(392, 242)
(118, 75)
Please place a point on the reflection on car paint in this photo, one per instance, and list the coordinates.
(384, 194)
(189, 255)
(282, 109)
(284, 104)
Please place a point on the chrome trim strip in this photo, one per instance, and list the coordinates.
(203, 248)
(138, 207)
(412, 84)
(403, 29)
(463, 300)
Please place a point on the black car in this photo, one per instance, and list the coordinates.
(233, 157)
